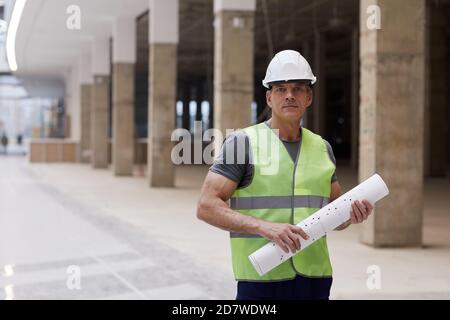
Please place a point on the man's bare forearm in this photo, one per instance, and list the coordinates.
(217, 213)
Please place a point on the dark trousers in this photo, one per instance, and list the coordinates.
(300, 288)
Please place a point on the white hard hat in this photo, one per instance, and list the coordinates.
(288, 65)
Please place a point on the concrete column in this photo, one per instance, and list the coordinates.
(99, 115)
(318, 107)
(67, 127)
(124, 59)
(436, 162)
(85, 141)
(448, 109)
(72, 102)
(233, 63)
(210, 98)
(306, 52)
(163, 35)
(260, 99)
(186, 98)
(392, 111)
(84, 154)
(53, 120)
(199, 99)
(354, 99)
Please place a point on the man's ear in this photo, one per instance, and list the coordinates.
(269, 98)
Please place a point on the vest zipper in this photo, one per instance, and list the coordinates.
(293, 193)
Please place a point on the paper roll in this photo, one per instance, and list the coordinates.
(318, 224)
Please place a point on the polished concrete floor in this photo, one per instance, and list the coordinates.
(70, 232)
(49, 236)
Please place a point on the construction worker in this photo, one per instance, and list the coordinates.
(266, 207)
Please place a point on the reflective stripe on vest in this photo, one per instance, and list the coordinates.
(288, 195)
(275, 202)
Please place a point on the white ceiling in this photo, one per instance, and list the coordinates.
(46, 47)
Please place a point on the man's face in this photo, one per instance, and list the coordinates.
(289, 100)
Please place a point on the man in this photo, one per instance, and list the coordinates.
(4, 141)
(265, 207)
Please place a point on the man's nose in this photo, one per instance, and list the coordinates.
(289, 94)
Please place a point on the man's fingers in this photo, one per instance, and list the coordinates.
(357, 213)
(368, 205)
(301, 232)
(294, 237)
(360, 211)
(297, 242)
(281, 244)
(289, 242)
(353, 219)
(363, 209)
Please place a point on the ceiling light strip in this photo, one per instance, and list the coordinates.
(12, 33)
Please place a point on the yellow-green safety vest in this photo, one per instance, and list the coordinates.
(287, 194)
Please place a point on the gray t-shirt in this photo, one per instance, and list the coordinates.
(240, 169)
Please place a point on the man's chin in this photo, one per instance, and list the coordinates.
(292, 116)
(292, 112)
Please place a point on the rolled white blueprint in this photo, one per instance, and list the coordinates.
(318, 224)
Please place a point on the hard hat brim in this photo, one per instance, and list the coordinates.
(269, 84)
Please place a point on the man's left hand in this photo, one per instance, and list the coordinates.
(360, 211)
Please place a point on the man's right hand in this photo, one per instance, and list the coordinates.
(285, 235)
